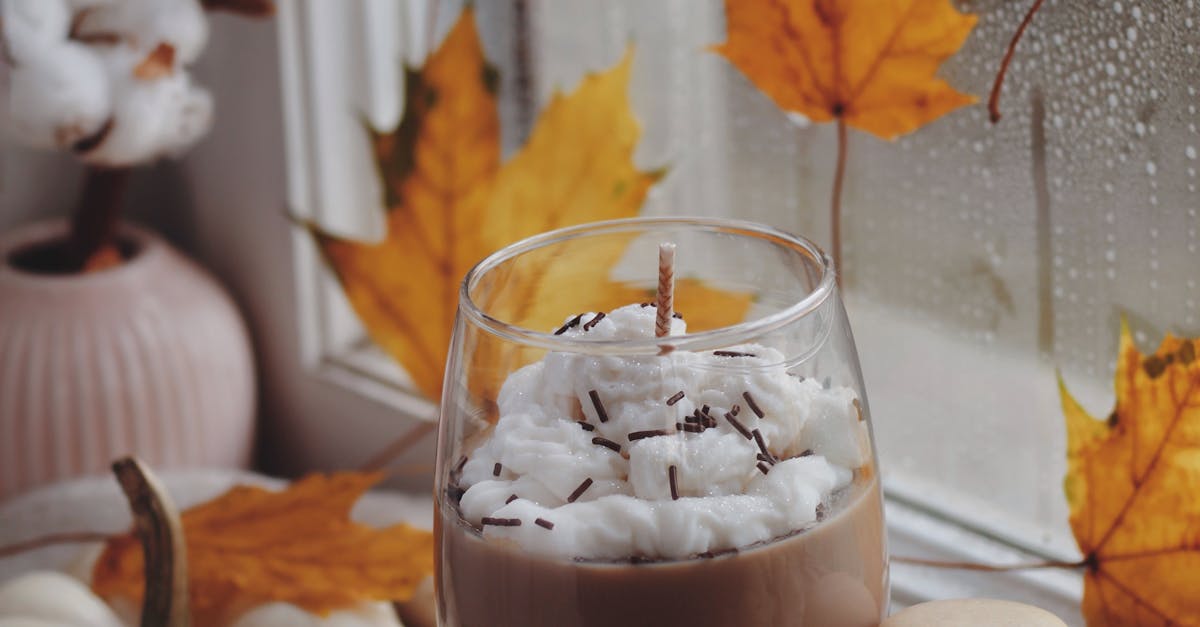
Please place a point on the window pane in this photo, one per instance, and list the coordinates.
(980, 258)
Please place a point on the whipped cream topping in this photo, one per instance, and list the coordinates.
(607, 461)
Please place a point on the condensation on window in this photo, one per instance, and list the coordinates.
(981, 260)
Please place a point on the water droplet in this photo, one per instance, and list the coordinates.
(1151, 168)
(1190, 151)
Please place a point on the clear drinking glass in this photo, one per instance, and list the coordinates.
(576, 485)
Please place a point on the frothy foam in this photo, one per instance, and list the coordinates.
(539, 450)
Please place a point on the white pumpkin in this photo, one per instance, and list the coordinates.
(54, 599)
(377, 614)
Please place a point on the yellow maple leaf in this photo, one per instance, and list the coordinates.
(450, 203)
(1132, 484)
(252, 546)
(869, 62)
(437, 169)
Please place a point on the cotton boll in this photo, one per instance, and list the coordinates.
(151, 118)
(144, 24)
(58, 97)
(32, 26)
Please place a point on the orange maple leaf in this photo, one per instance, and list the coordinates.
(1132, 483)
(869, 64)
(450, 202)
(251, 546)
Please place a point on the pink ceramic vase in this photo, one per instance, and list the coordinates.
(149, 357)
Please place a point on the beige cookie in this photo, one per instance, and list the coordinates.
(973, 613)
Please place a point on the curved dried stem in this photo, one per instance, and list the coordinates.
(157, 523)
(994, 99)
(990, 568)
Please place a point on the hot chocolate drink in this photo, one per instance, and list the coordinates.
(679, 489)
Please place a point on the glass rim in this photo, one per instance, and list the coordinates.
(699, 341)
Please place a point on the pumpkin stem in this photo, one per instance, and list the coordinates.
(160, 529)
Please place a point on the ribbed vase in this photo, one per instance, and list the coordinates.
(150, 358)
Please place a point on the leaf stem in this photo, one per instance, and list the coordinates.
(52, 539)
(397, 447)
(990, 568)
(157, 523)
(835, 213)
(994, 99)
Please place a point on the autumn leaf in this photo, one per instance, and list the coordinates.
(251, 546)
(869, 64)
(1132, 484)
(450, 203)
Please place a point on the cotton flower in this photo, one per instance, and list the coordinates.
(58, 98)
(106, 79)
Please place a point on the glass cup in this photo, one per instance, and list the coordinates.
(591, 473)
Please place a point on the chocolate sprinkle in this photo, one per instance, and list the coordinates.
(587, 326)
(764, 458)
(764, 467)
(735, 410)
(605, 442)
(510, 499)
(691, 428)
(600, 411)
(501, 522)
(674, 483)
(496, 469)
(587, 483)
(676, 315)
(678, 396)
(739, 426)
(543, 523)
(649, 433)
(693, 419)
(704, 410)
(733, 354)
(570, 323)
(587, 426)
(753, 406)
(807, 452)
(462, 461)
(762, 445)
